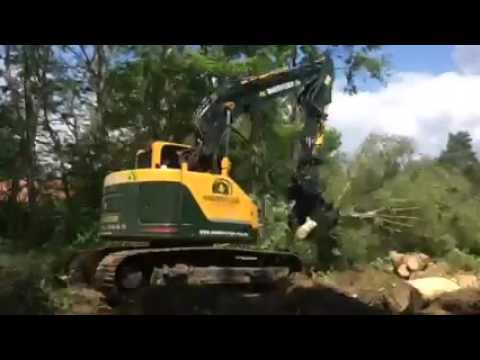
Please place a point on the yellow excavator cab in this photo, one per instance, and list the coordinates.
(160, 154)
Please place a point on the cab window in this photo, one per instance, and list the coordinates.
(169, 156)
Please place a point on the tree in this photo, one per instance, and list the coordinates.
(20, 103)
(357, 188)
(460, 155)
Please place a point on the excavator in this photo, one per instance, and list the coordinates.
(179, 217)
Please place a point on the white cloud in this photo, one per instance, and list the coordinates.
(423, 106)
(467, 58)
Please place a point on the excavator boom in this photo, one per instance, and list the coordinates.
(312, 83)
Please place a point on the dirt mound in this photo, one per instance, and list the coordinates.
(462, 302)
(365, 291)
(318, 300)
(358, 296)
(328, 301)
(376, 288)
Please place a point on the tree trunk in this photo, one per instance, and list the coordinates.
(69, 218)
(100, 73)
(12, 203)
(30, 139)
(13, 210)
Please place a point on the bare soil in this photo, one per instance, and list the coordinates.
(366, 291)
(461, 302)
(299, 301)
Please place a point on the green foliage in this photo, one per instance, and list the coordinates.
(23, 294)
(389, 201)
(275, 231)
(359, 243)
(24, 285)
(276, 234)
(31, 283)
(219, 65)
(333, 142)
(459, 154)
(87, 238)
(461, 260)
(356, 62)
(379, 159)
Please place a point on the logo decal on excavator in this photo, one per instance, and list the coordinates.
(222, 187)
(278, 88)
(132, 176)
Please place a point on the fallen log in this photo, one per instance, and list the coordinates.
(412, 262)
(431, 288)
(466, 281)
(403, 271)
(378, 289)
(406, 265)
(461, 302)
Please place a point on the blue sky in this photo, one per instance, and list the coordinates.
(435, 59)
(432, 59)
(433, 91)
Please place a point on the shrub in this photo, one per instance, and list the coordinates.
(24, 292)
(276, 234)
(463, 261)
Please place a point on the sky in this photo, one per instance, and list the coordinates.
(432, 90)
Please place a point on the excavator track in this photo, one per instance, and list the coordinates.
(196, 266)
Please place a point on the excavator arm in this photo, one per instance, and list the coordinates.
(312, 82)
(313, 85)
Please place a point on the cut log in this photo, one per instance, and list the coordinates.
(462, 302)
(424, 261)
(412, 262)
(431, 288)
(403, 272)
(378, 289)
(440, 269)
(404, 299)
(396, 258)
(466, 281)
